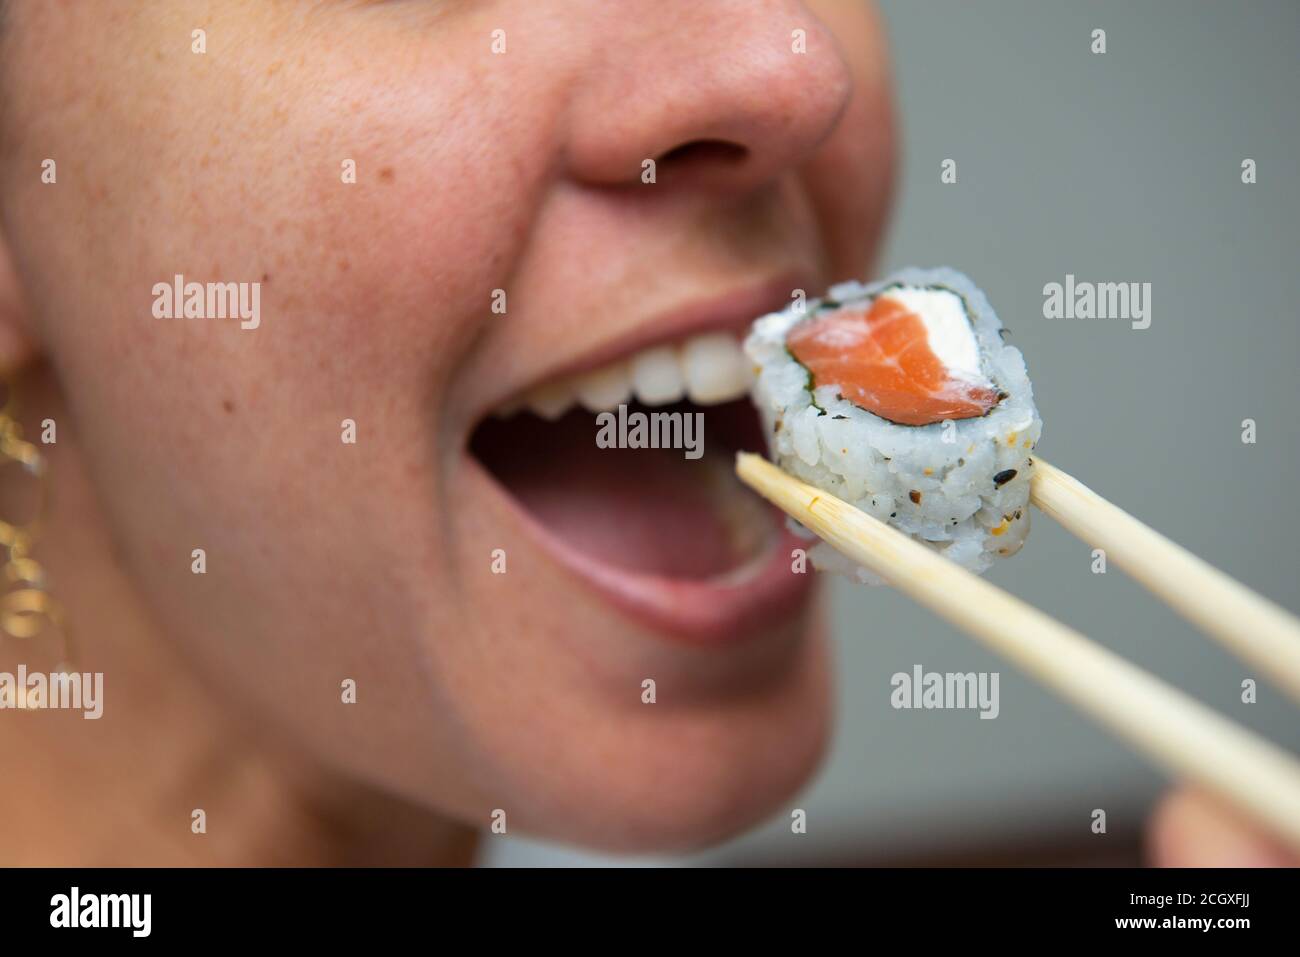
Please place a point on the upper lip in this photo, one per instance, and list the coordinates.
(731, 311)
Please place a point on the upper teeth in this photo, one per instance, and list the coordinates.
(708, 368)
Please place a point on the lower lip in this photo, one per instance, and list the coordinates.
(723, 611)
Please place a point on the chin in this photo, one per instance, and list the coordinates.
(619, 565)
(677, 776)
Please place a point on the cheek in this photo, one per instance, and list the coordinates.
(376, 186)
(203, 434)
(372, 286)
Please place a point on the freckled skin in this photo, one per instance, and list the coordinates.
(473, 172)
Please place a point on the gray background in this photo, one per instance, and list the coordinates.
(1116, 167)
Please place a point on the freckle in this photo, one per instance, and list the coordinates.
(344, 265)
(228, 405)
(386, 174)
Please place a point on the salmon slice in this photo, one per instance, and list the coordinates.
(881, 360)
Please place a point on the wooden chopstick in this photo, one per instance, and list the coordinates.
(1176, 731)
(1245, 622)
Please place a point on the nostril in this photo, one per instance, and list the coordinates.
(704, 152)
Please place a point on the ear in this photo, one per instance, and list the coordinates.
(17, 345)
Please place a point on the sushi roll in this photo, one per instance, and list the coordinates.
(901, 398)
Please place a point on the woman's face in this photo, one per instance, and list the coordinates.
(500, 608)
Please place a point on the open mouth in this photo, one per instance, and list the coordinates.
(598, 483)
(667, 535)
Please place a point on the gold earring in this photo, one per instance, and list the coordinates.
(26, 607)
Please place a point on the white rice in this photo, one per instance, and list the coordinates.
(876, 464)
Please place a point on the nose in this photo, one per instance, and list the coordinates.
(721, 95)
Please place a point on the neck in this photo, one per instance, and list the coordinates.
(125, 789)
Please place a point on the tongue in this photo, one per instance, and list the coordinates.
(646, 510)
